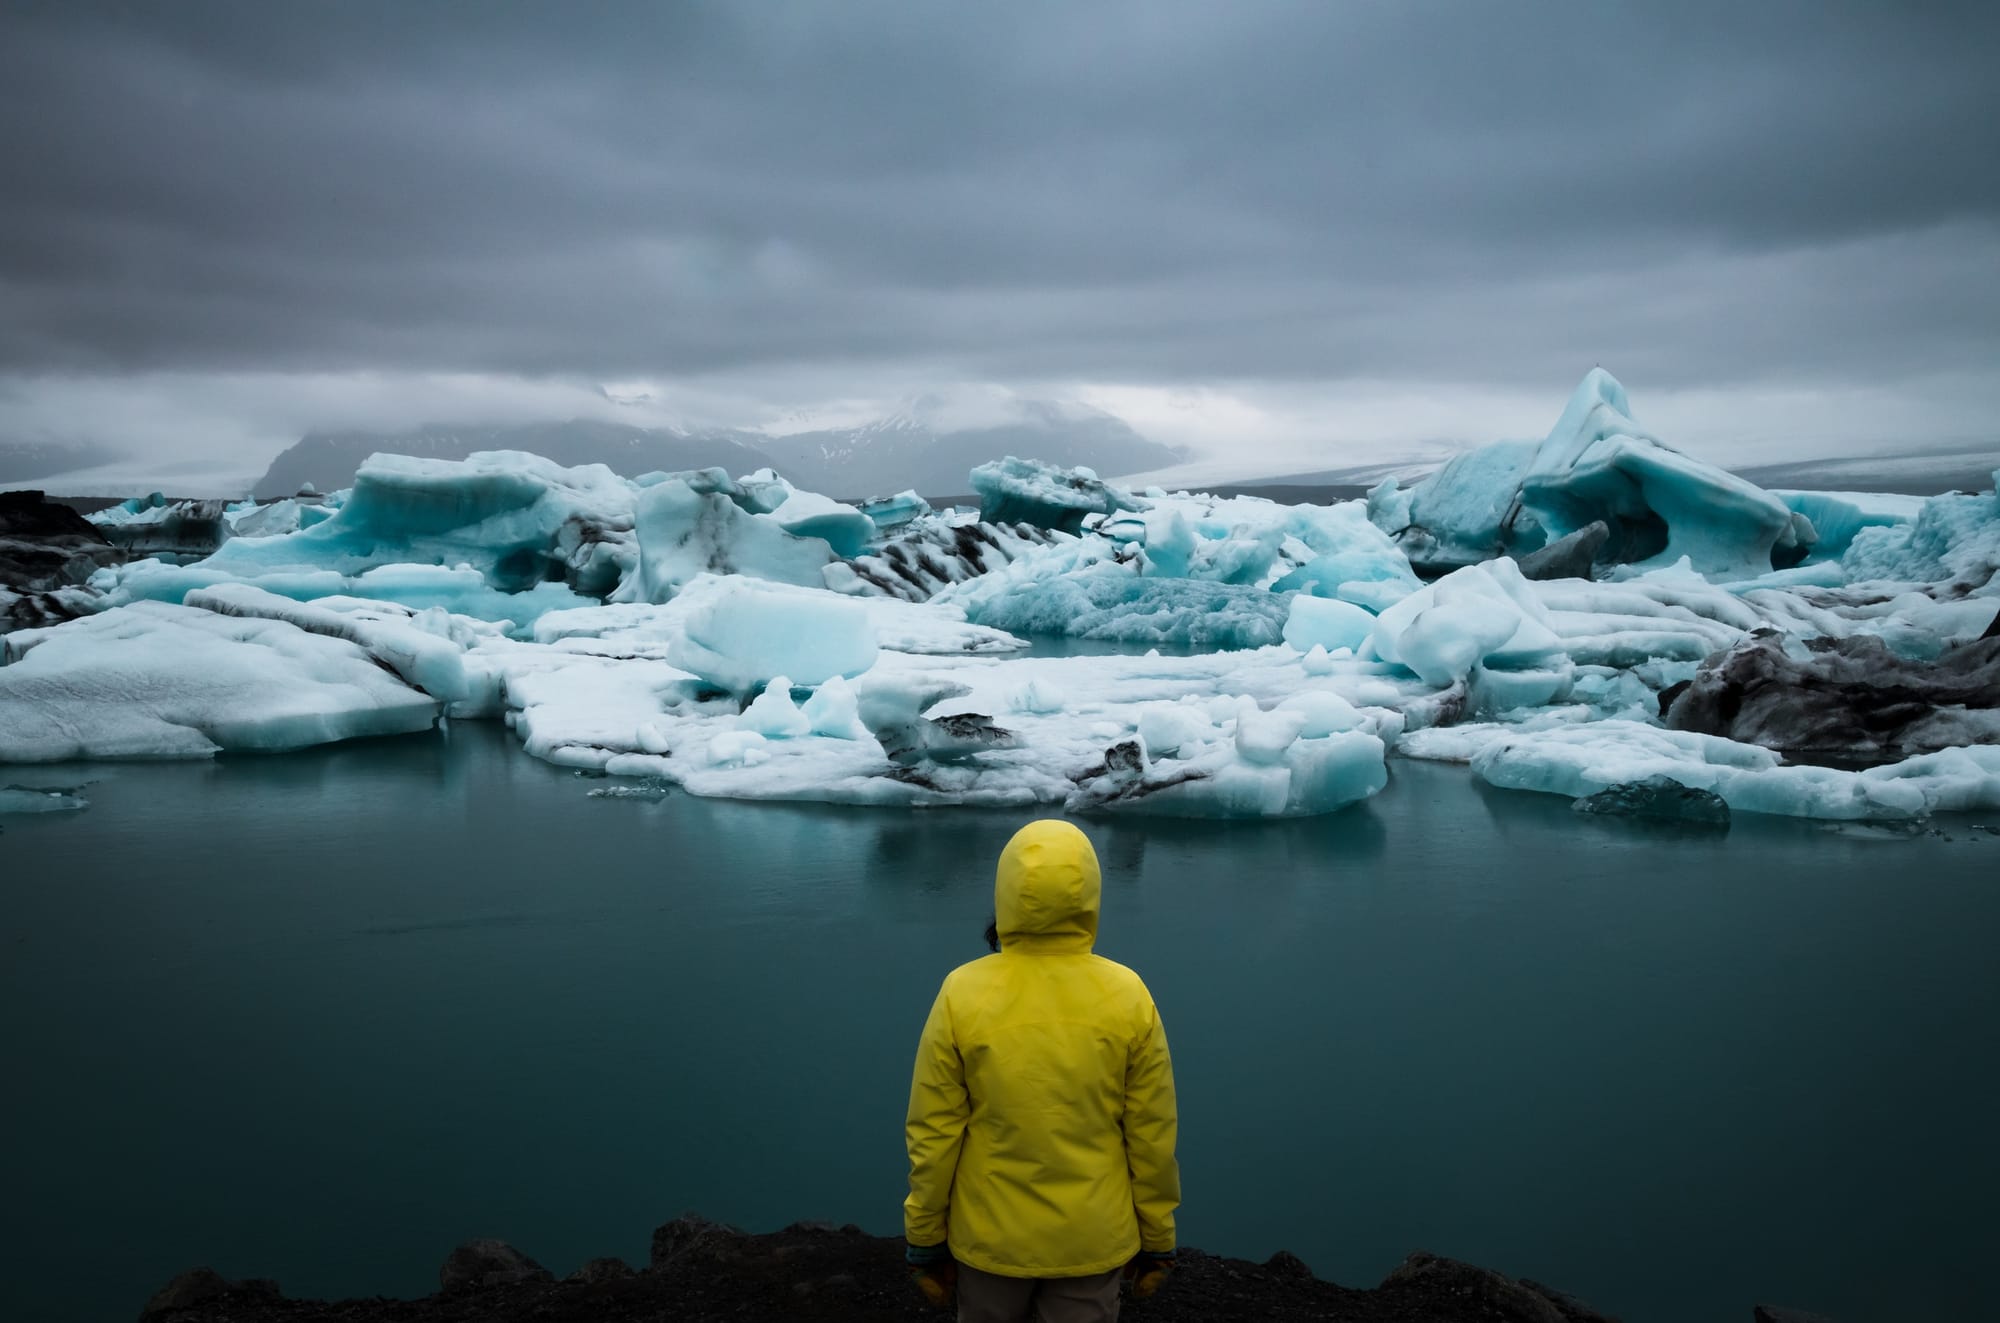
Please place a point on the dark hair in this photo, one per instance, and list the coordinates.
(993, 932)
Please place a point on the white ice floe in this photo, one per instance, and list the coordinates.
(1575, 759)
(152, 680)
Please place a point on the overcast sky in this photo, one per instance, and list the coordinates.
(1293, 235)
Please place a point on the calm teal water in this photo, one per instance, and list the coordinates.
(319, 1017)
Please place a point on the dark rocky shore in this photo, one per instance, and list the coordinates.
(700, 1270)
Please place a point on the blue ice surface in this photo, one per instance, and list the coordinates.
(517, 518)
(1955, 537)
(460, 590)
(1596, 464)
(1109, 601)
(1017, 491)
(684, 532)
(1837, 516)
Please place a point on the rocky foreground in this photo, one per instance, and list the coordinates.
(701, 1270)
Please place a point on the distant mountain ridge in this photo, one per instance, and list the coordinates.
(912, 448)
(328, 460)
(24, 461)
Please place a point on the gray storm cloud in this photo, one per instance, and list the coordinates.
(1775, 195)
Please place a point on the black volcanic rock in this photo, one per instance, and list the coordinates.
(1661, 798)
(1849, 701)
(45, 546)
(483, 1263)
(1567, 557)
(702, 1270)
(205, 1288)
(172, 530)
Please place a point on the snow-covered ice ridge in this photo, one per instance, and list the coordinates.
(1564, 615)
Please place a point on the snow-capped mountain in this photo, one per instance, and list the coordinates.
(931, 444)
(25, 461)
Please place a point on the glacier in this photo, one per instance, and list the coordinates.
(1564, 616)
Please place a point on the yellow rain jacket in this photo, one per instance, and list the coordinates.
(1041, 1126)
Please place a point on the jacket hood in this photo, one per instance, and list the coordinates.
(1046, 890)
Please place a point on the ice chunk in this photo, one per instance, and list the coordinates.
(834, 711)
(744, 748)
(157, 681)
(1838, 516)
(744, 635)
(460, 590)
(1022, 491)
(1324, 622)
(148, 526)
(841, 527)
(34, 799)
(1596, 464)
(684, 533)
(1321, 712)
(891, 514)
(932, 552)
(1262, 737)
(1580, 760)
(1459, 516)
(1659, 798)
(1169, 727)
(1111, 602)
(1955, 539)
(773, 715)
(518, 519)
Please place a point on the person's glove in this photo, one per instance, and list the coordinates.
(1147, 1271)
(934, 1271)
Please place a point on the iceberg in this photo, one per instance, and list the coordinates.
(152, 680)
(154, 526)
(684, 532)
(517, 518)
(743, 636)
(1579, 760)
(933, 551)
(1017, 491)
(1596, 465)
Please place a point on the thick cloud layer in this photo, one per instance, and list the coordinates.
(1777, 195)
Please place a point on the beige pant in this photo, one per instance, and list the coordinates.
(986, 1298)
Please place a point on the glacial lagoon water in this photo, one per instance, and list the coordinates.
(318, 1017)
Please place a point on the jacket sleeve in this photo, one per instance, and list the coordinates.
(935, 1129)
(1151, 1128)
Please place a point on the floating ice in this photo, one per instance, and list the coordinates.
(774, 715)
(460, 590)
(683, 532)
(1583, 759)
(1837, 516)
(1195, 570)
(745, 634)
(518, 519)
(1327, 623)
(1595, 465)
(842, 527)
(34, 799)
(1023, 491)
(1482, 626)
(157, 681)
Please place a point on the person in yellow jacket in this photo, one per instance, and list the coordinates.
(1041, 1126)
